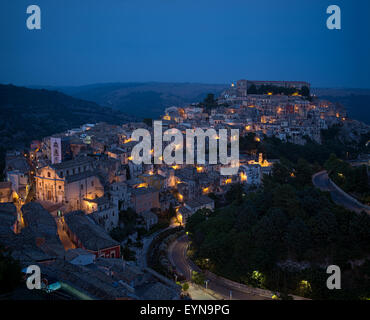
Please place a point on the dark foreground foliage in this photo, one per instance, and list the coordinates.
(287, 220)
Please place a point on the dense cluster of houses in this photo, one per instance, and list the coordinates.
(101, 179)
(70, 189)
(286, 117)
(93, 270)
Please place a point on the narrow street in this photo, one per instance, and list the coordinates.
(67, 243)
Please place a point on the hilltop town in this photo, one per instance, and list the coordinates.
(76, 204)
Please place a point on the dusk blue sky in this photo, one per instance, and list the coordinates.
(209, 41)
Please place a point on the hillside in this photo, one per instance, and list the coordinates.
(28, 114)
(144, 99)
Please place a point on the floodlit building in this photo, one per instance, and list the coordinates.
(192, 206)
(251, 174)
(68, 183)
(103, 211)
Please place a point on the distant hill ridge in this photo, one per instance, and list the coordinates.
(23, 97)
(149, 99)
(28, 114)
(146, 99)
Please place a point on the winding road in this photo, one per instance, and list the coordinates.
(177, 256)
(177, 250)
(321, 180)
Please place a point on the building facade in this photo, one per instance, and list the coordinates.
(68, 183)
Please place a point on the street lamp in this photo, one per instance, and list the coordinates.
(206, 282)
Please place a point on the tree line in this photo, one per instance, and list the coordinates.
(282, 236)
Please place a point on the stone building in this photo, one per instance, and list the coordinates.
(86, 234)
(68, 183)
(6, 192)
(144, 199)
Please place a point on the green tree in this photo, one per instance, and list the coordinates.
(197, 277)
(185, 286)
(280, 173)
(305, 91)
(210, 100)
(249, 144)
(303, 173)
(235, 194)
(298, 237)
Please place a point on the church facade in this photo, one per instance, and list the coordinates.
(68, 183)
